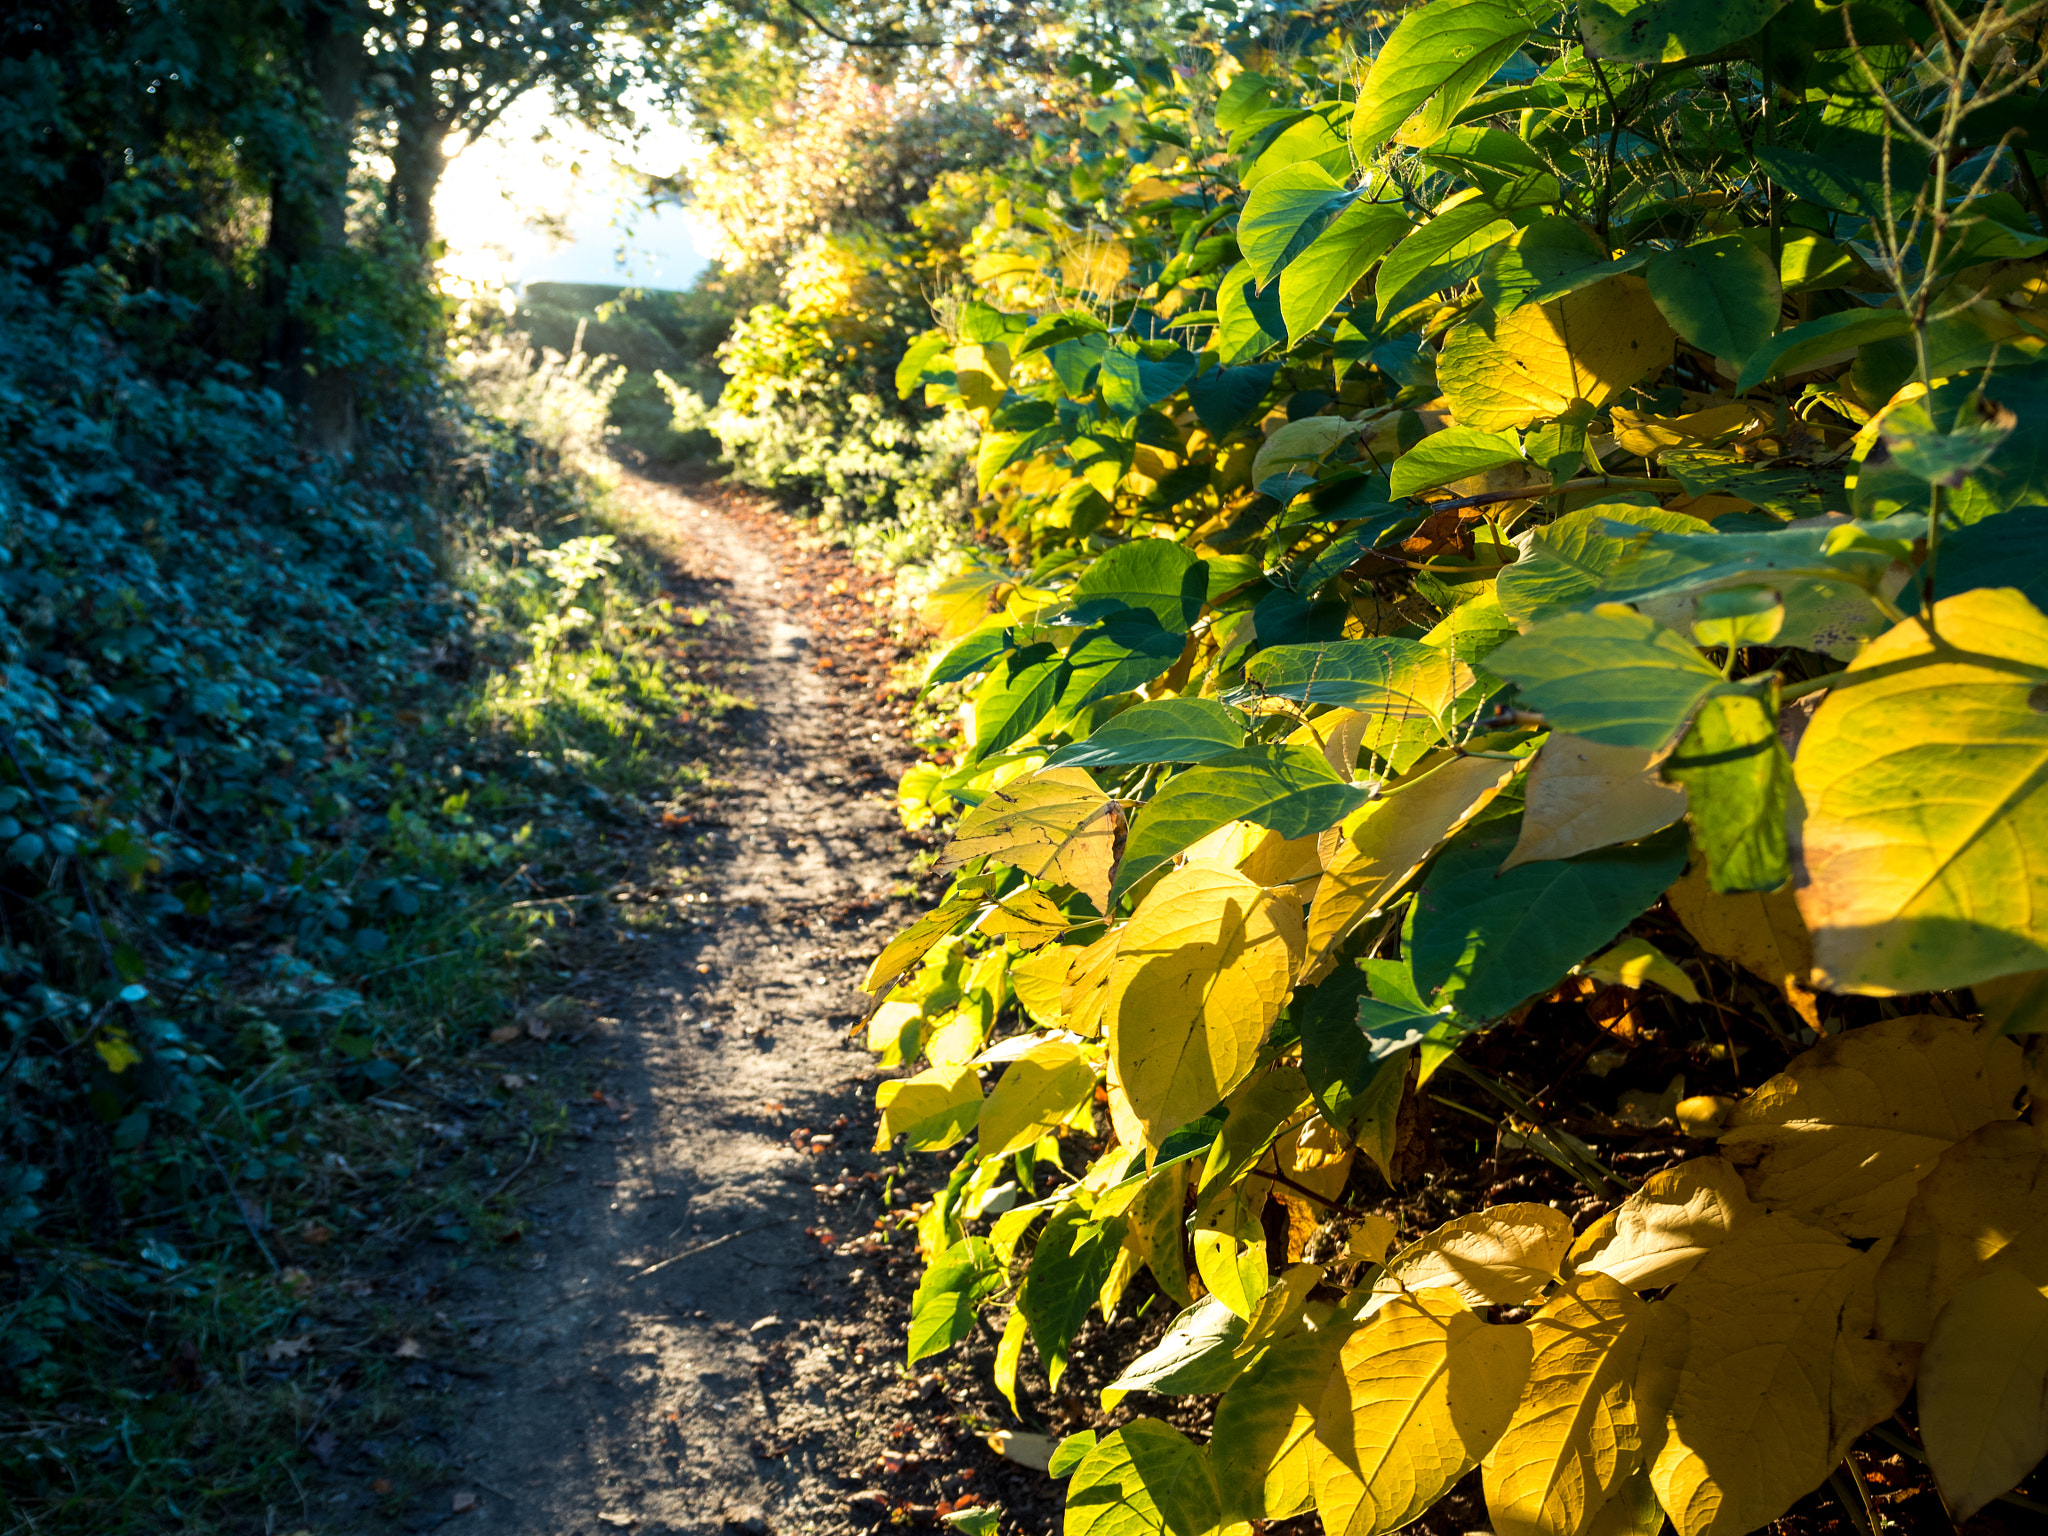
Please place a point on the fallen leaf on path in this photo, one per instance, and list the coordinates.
(504, 1034)
(1034, 1451)
(288, 1349)
(410, 1348)
(462, 1503)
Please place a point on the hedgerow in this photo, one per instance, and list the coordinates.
(1517, 562)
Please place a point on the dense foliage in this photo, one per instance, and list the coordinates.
(1524, 565)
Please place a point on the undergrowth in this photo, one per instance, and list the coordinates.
(297, 766)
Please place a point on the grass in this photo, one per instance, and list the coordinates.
(267, 1278)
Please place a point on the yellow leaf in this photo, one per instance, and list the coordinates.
(116, 1050)
(1574, 1440)
(1262, 1445)
(1300, 445)
(2016, 1004)
(1009, 1354)
(1761, 932)
(1201, 972)
(934, 1109)
(1656, 1236)
(1055, 826)
(1633, 1511)
(1503, 1255)
(1582, 795)
(1036, 1093)
(959, 603)
(1369, 1239)
(956, 1041)
(1422, 1392)
(1040, 979)
(1376, 849)
(1845, 1133)
(1538, 359)
(1279, 1310)
(1026, 916)
(1778, 1375)
(1155, 1226)
(1925, 840)
(1983, 1205)
(1230, 1245)
(1984, 1390)
(1647, 435)
(1635, 962)
(1086, 992)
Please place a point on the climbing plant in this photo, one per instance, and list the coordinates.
(1521, 526)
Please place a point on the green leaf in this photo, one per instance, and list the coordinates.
(1068, 1454)
(1919, 447)
(1156, 575)
(1248, 95)
(1157, 731)
(977, 652)
(925, 358)
(1068, 1266)
(1721, 295)
(2009, 550)
(1659, 564)
(950, 1294)
(1736, 779)
(1611, 676)
(1263, 1443)
(1666, 31)
(1224, 397)
(1446, 49)
(1129, 383)
(1800, 346)
(1146, 1479)
(1285, 212)
(1015, 698)
(1062, 325)
(1290, 789)
(1564, 563)
(1447, 251)
(1248, 323)
(1194, 1357)
(1317, 280)
(1487, 939)
(1544, 260)
(1356, 674)
(1126, 651)
(1449, 455)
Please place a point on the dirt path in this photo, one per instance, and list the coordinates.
(677, 1357)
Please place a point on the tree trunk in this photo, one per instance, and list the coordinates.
(417, 161)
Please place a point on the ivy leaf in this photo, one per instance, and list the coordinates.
(1157, 731)
(1054, 826)
(1486, 939)
(1144, 1477)
(1197, 1355)
(1611, 676)
(1925, 839)
(1721, 295)
(1843, 1136)
(1449, 455)
(1037, 1092)
(1575, 1439)
(1291, 790)
(1737, 779)
(1392, 1435)
(1447, 49)
(1202, 970)
(949, 1296)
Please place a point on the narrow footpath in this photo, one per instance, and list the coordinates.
(705, 1334)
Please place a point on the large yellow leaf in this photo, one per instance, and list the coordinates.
(1038, 980)
(1925, 840)
(1779, 1375)
(1984, 1204)
(1656, 1236)
(1984, 1390)
(1537, 360)
(1760, 931)
(934, 1109)
(1582, 795)
(1371, 854)
(1503, 1255)
(1036, 1093)
(1263, 1443)
(1574, 1440)
(1845, 1133)
(1086, 991)
(1201, 972)
(1422, 1392)
(1055, 826)
(1156, 1227)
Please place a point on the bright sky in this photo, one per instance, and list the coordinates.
(539, 199)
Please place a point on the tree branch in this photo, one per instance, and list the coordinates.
(855, 42)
